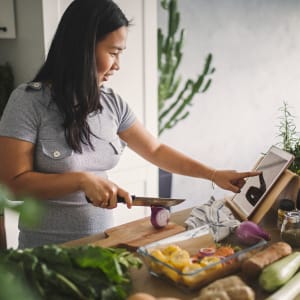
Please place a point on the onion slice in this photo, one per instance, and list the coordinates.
(250, 233)
(207, 251)
(159, 216)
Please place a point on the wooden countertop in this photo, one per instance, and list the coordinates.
(144, 282)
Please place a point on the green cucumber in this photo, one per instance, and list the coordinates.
(289, 291)
(279, 272)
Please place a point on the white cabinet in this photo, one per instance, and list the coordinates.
(7, 19)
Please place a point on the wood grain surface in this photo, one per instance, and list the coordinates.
(137, 233)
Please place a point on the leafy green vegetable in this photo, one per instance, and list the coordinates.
(85, 273)
(14, 287)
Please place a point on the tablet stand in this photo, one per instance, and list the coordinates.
(286, 186)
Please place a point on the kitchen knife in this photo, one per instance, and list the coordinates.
(152, 201)
(149, 201)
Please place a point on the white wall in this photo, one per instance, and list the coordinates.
(26, 52)
(256, 53)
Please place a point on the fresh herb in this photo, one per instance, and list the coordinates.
(86, 272)
(290, 140)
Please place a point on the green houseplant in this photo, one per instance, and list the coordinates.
(175, 96)
(290, 140)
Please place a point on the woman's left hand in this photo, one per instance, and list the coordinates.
(232, 180)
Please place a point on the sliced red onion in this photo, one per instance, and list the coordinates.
(159, 216)
(207, 251)
(250, 233)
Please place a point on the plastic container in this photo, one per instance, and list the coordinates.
(187, 275)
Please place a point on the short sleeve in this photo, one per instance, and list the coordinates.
(127, 117)
(21, 116)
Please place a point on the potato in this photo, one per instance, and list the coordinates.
(141, 296)
(144, 296)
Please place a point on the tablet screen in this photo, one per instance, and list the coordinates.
(255, 188)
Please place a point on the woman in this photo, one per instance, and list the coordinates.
(60, 133)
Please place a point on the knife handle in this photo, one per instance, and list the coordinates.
(119, 199)
(88, 199)
(122, 200)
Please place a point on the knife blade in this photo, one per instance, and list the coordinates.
(152, 201)
(149, 201)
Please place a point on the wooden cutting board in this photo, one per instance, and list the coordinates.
(137, 233)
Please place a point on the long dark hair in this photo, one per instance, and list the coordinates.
(70, 67)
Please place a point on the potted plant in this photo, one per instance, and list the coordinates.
(174, 96)
(290, 140)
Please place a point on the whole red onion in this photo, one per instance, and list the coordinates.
(250, 233)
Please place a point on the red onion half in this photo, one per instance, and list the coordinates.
(250, 233)
(159, 216)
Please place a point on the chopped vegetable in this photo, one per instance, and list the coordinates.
(179, 259)
(159, 216)
(86, 272)
(159, 255)
(207, 251)
(170, 249)
(224, 251)
(209, 260)
(220, 252)
(250, 233)
(193, 273)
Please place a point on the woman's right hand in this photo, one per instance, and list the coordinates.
(103, 192)
(232, 180)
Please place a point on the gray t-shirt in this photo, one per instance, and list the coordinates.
(32, 116)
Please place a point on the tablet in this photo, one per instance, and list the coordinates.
(274, 162)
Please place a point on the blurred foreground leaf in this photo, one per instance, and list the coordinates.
(32, 210)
